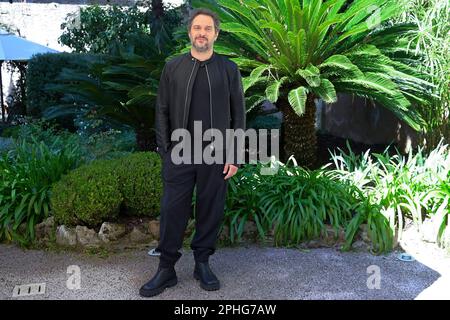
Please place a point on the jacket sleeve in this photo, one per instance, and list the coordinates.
(162, 120)
(237, 109)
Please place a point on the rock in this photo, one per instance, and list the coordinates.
(136, 235)
(359, 245)
(429, 231)
(111, 231)
(364, 233)
(153, 228)
(331, 237)
(66, 236)
(44, 229)
(313, 244)
(22, 228)
(250, 228)
(87, 237)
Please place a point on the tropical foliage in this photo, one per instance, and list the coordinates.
(119, 90)
(300, 50)
(432, 38)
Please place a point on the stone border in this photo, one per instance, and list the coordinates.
(137, 232)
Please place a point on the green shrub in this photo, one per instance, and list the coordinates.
(140, 183)
(10, 132)
(88, 195)
(98, 191)
(100, 27)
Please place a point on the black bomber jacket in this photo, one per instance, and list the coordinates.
(227, 104)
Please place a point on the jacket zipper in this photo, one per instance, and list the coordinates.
(210, 105)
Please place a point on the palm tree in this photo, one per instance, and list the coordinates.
(297, 51)
(119, 89)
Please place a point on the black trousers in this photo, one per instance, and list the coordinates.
(179, 181)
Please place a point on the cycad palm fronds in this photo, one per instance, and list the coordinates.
(294, 49)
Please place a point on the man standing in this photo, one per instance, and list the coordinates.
(199, 87)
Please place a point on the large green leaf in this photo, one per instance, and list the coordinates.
(311, 74)
(297, 99)
(341, 65)
(326, 91)
(254, 77)
(234, 27)
(253, 101)
(273, 90)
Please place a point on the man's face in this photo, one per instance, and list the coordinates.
(202, 33)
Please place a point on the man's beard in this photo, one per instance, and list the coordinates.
(203, 48)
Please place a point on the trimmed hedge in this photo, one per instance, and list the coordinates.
(140, 183)
(87, 195)
(98, 191)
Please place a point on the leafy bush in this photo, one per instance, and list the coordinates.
(98, 191)
(97, 29)
(140, 183)
(87, 195)
(10, 132)
(27, 172)
(43, 69)
(294, 202)
(382, 191)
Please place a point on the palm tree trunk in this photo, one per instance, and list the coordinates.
(298, 134)
(157, 8)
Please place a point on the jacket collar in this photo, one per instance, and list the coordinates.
(211, 59)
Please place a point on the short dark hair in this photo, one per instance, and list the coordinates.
(206, 12)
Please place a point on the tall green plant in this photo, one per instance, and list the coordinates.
(26, 174)
(294, 204)
(398, 189)
(300, 50)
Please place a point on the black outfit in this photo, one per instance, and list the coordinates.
(226, 105)
(199, 109)
(208, 91)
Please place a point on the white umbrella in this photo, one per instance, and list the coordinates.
(14, 48)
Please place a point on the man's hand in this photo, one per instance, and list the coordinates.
(230, 170)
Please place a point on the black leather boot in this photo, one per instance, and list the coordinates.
(164, 278)
(208, 281)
